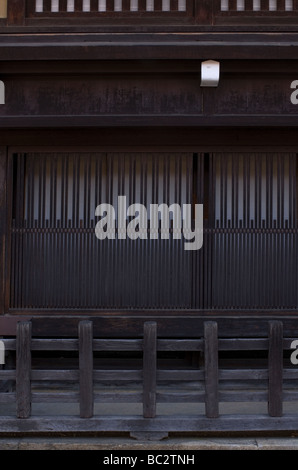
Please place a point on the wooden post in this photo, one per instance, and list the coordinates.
(23, 369)
(16, 12)
(149, 382)
(211, 369)
(86, 368)
(149, 370)
(275, 359)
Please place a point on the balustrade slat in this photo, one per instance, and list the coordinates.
(275, 359)
(46, 6)
(108, 5)
(125, 7)
(157, 5)
(86, 368)
(249, 5)
(149, 369)
(63, 5)
(174, 5)
(203, 11)
(23, 370)
(142, 5)
(211, 369)
(232, 5)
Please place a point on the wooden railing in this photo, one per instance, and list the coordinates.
(204, 386)
(151, 12)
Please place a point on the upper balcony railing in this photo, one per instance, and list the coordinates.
(163, 13)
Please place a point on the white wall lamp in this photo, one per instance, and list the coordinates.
(210, 73)
(2, 92)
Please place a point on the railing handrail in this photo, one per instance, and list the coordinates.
(191, 12)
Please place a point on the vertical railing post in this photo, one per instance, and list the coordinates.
(275, 360)
(86, 368)
(23, 369)
(211, 369)
(16, 12)
(149, 369)
(204, 12)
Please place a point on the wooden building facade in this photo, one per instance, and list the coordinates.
(103, 98)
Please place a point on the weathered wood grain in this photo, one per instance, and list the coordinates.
(86, 368)
(241, 423)
(211, 369)
(23, 369)
(210, 385)
(16, 12)
(275, 364)
(149, 369)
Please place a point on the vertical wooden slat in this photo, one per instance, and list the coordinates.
(142, 5)
(125, 5)
(149, 369)
(23, 370)
(110, 5)
(62, 5)
(16, 12)
(204, 11)
(232, 5)
(3, 223)
(8, 235)
(209, 195)
(157, 5)
(211, 369)
(86, 368)
(78, 6)
(275, 359)
(264, 5)
(94, 5)
(174, 5)
(47, 6)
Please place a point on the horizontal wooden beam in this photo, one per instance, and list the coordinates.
(231, 325)
(131, 49)
(118, 121)
(240, 423)
(125, 139)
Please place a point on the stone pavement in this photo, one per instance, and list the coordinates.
(171, 444)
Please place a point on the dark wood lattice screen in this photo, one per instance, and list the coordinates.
(57, 261)
(254, 240)
(249, 255)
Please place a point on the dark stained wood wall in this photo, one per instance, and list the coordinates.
(104, 93)
(157, 93)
